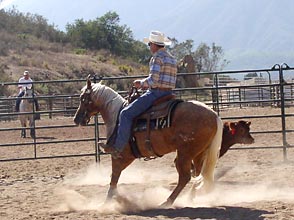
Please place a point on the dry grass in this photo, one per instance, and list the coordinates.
(53, 61)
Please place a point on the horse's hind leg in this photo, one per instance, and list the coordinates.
(197, 164)
(183, 167)
(196, 171)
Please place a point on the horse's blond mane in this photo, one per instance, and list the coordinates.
(105, 91)
(109, 102)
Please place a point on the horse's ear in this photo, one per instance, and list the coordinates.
(89, 83)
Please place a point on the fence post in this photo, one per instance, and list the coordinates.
(282, 98)
(240, 97)
(50, 102)
(34, 123)
(97, 149)
(215, 98)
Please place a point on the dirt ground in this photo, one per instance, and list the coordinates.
(250, 184)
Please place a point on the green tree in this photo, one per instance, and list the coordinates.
(106, 33)
(179, 50)
(15, 22)
(206, 58)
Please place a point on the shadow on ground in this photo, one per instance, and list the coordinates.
(219, 213)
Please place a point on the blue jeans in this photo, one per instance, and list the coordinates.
(130, 112)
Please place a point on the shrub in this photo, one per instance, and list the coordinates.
(4, 78)
(125, 69)
(80, 51)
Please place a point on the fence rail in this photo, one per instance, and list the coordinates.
(232, 99)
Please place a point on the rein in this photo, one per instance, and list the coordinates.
(133, 94)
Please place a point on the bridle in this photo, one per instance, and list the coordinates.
(86, 101)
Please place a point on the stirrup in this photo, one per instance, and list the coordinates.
(111, 150)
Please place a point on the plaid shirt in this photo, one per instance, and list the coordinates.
(163, 70)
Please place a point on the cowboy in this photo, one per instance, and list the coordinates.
(160, 82)
(23, 82)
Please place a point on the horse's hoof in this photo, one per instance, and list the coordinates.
(192, 194)
(111, 197)
(166, 204)
(107, 201)
(112, 192)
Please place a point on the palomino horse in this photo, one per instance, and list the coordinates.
(27, 105)
(195, 130)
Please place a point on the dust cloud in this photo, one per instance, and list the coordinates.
(142, 187)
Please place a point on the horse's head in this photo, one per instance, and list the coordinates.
(28, 93)
(87, 107)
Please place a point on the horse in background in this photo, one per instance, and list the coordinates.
(187, 65)
(26, 106)
(195, 131)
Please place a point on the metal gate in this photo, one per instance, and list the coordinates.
(267, 97)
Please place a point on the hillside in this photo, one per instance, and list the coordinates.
(253, 34)
(53, 61)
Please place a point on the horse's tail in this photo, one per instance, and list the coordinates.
(211, 158)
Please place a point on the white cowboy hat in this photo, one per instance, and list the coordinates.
(25, 73)
(158, 38)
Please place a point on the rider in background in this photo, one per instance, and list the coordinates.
(160, 82)
(23, 82)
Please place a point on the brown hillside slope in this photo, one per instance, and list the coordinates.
(52, 61)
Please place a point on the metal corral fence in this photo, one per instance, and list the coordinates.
(263, 96)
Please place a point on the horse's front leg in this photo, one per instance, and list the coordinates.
(23, 132)
(112, 191)
(32, 133)
(183, 167)
(118, 165)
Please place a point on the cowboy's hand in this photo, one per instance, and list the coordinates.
(137, 84)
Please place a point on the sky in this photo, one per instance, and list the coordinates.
(62, 12)
(250, 31)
